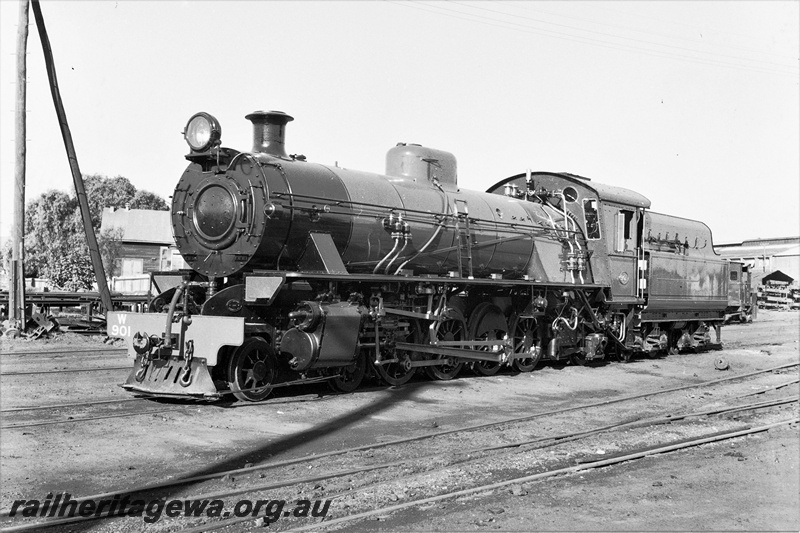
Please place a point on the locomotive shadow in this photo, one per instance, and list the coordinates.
(281, 445)
(389, 398)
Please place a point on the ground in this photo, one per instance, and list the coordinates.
(745, 484)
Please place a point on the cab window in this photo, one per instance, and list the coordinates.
(626, 232)
(591, 218)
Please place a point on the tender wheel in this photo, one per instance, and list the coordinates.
(251, 370)
(396, 374)
(351, 376)
(525, 338)
(656, 341)
(450, 329)
(487, 323)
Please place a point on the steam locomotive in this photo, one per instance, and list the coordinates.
(302, 272)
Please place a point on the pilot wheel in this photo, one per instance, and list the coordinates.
(252, 370)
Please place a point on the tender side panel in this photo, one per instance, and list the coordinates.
(666, 233)
(681, 283)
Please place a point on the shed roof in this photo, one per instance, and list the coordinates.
(789, 252)
(756, 250)
(140, 225)
(777, 275)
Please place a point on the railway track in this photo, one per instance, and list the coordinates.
(90, 418)
(66, 371)
(529, 446)
(179, 405)
(10, 412)
(42, 363)
(508, 433)
(61, 361)
(469, 463)
(62, 352)
(630, 456)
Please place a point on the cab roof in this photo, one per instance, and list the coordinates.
(606, 193)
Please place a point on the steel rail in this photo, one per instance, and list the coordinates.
(774, 387)
(66, 352)
(749, 407)
(288, 462)
(548, 474)
(88, 419)
(94, 369)
(311, 397)
(764, 390)
(136, 399)
(66, 405)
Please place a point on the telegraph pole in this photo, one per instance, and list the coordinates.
(16, 289)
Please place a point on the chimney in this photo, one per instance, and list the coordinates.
(269, 131)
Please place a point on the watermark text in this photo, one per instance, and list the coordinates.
(63, 505)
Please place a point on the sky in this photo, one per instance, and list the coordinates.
(693, 104)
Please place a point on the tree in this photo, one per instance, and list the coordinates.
(5, 264)
(117, 192)
(72, 270)
(110, 243)
(55, 243)
(51, 222)
(148, 200)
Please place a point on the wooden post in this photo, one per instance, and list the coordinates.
(80, 191)
(16, 288)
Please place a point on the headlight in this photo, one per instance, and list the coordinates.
(202, 132)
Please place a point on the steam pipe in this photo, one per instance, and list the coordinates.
(572, 327)
(442, 224)
(580, 249)
(421, 250)
(391, 252)
(171, 313)
(406, 240)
